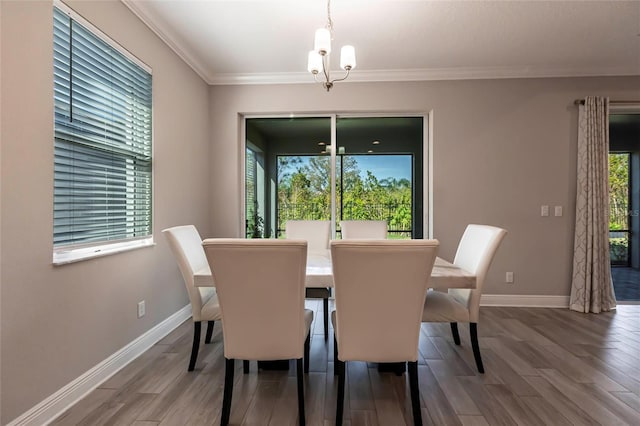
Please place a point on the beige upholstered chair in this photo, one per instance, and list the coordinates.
(364, 229)
(380, 288)
(475, 254)
(317, 233)
(260, 285)
(186, 244)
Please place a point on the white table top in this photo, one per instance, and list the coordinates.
(320, 274)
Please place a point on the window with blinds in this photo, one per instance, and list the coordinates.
(102, 107)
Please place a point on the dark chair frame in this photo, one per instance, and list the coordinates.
(228, 383)
(473, 336)
(340, 369)
(196, 341)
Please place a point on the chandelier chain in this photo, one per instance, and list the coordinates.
(329, 21)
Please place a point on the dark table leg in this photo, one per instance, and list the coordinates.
(321, 293)
(392, 367)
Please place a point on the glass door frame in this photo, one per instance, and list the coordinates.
(427, 161)
(631, 107)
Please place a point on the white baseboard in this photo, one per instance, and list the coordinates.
(47, 410)
(528, 301)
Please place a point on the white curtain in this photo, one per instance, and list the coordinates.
(592, 287)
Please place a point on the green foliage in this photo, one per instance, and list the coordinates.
(619, 249)
(255, 228)
(306, 193)
(618, 191)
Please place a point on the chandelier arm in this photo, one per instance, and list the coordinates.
(343, 78)
(324, 68)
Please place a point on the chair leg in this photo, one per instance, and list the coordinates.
(207, 338)
(454, 332)
(196, 345)
(229, 366)
(335, 356)
(245, 366)
(415, 392)
(307, 349)
(325, 305)
(299, 375)
(473, 331)
(340, 403)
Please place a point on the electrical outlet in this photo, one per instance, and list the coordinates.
(141, 309)
(508, 277)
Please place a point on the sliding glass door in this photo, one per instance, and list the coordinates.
(619, 208)
(304, 189)
(334, 168)
(624, 204)
(379, 172)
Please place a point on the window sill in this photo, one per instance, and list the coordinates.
(63, 256)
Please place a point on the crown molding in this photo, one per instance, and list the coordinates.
(431, 74)
(180, 50)
(485, 73)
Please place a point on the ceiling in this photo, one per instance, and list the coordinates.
(253, 42)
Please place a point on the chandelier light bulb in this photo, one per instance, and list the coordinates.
(322, 43)
(347, 58)
(314, 65)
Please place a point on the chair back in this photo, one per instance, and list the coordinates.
(260, 285)
(317, 233)
(186, 245)
(380, 288)
(364, 229)
(475, 253)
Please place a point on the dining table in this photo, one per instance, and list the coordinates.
(319, 274)
(319, 281)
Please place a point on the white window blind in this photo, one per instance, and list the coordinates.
(102, 178)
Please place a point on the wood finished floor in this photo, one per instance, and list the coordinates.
(543, 367)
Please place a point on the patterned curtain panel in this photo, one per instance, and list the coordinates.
(592, 287)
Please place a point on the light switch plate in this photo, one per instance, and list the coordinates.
(544, 211)
(558, 210)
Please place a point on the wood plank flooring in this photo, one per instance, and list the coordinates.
(543, 367)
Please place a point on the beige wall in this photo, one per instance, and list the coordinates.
(58, 322)
(502, 148)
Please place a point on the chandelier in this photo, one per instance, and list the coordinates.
(319, 56)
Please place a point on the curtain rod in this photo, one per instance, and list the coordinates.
(581, 102)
